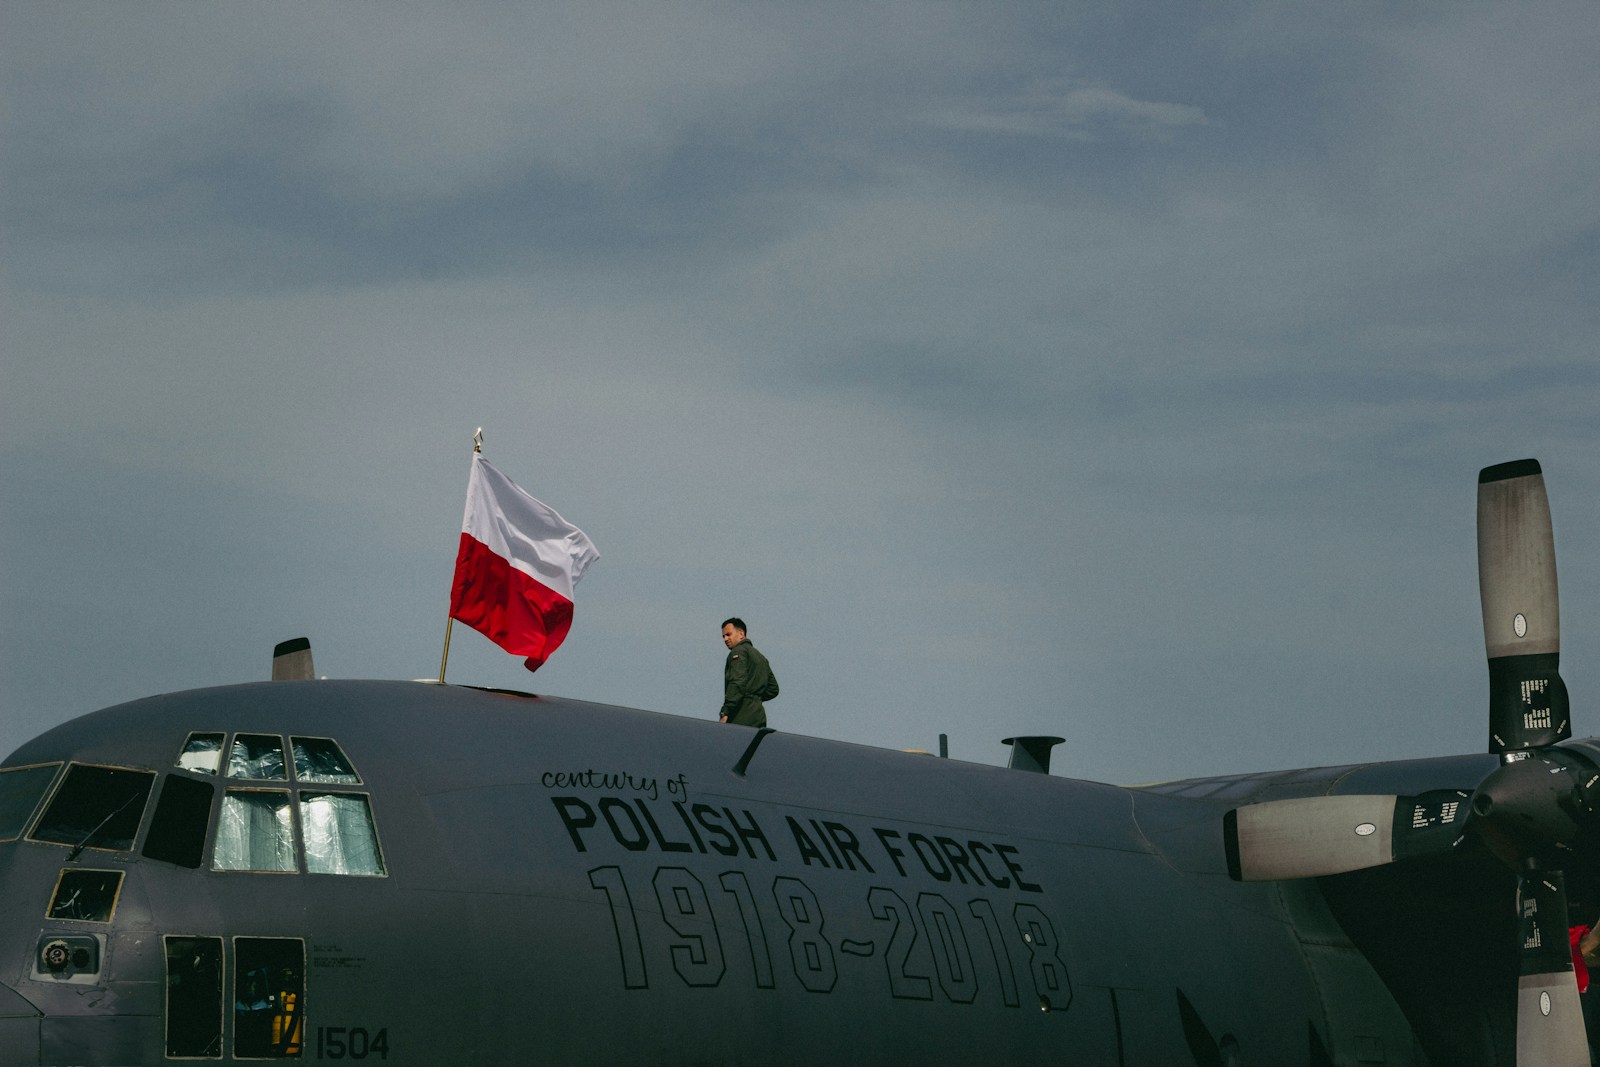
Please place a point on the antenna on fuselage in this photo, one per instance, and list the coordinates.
(291, 660)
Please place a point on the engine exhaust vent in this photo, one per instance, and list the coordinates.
(1032, 753)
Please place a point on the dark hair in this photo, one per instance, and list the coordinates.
(737, 623)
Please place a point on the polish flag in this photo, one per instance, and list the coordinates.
(516, 567)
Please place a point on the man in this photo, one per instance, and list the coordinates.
(747, 678)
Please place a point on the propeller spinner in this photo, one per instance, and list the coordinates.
(1528, 812)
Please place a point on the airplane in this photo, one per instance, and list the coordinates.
(414, 873)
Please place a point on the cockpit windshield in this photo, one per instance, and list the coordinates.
(277, 814)
(96, 807)
(21, 789)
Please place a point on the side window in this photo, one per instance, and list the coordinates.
(21, 789)
(178, 827)
(340, 836)
(96, 807)
(255, 832)
(257, 756)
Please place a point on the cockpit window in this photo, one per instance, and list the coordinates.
(319, 759)
(177, 831)
(202, 753)
(340, 836)
(255, 832)
(257, 756)
(96, 807)
(86, 896)
(21, 788)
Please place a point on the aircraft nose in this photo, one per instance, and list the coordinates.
(19, 1028)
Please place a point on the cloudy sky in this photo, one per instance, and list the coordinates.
(1119, 372)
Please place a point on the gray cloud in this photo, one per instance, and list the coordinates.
(1113, 374)
(1052, 109)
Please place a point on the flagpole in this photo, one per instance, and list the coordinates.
(449, 620)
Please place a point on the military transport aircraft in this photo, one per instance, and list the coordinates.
(412, 873)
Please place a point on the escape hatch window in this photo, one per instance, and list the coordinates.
(255, 832)
(202, 753)
(319, 759)
(257, 756)
(21, 789)
(340, 835)
(96, 807)
(85, 896)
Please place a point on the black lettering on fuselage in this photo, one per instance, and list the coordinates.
(618, 782)
(1000, 881)
(750, 833)
(661, 842)
(636, 826)
(565, 807)
(706, 816)
(894, 853)
(929, 854)
(849, 845)
(809, 852)
(959, 862)
(823, 837)
(1016, 869)
(638, 841)
(699, 844)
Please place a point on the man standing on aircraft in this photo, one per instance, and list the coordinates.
(747, 678)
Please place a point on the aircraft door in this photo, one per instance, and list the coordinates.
(268, 997)
(194, 997)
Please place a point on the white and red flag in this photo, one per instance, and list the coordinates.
(516, 567)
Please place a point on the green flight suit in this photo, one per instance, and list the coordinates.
(746, 675)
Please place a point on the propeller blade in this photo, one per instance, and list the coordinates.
(291, 660)
(1531, 810)
(1521, 609)
(1535, 805)
(1309, 837)
(1550, 1031)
